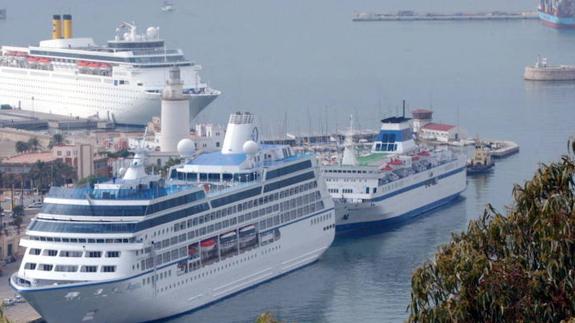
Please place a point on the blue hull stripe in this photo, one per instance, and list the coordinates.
(414, 186)
(559, 21)
(397, 219)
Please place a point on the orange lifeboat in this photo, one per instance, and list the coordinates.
(208, 245)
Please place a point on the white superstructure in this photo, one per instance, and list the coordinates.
(396, 181)
(141, 248)
(121, 81)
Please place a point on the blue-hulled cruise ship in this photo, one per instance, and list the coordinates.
(141, 247)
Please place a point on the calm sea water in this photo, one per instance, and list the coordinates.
(305, 60)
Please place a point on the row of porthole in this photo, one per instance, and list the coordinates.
(218, 269)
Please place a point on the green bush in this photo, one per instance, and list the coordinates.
(507, 268)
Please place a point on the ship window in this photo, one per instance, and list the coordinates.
(35, 251)
(113, 254)
(51, 253)
(94, 254)
(89, 269)
(66, 268)
(45, 267)
(30, 266)
(108, 269)
(65, 253)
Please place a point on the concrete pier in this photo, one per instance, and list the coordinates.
(408, 15)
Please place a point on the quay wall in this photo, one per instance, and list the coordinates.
(565, 73)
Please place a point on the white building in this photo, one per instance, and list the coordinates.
(439, 132)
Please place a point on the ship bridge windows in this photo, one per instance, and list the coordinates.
(68, 253)
(50, 253)
(45, 267)
(35, 251)
(66, 268)
(113, 254)
(30, 266)
(93, 254)
(108, 269)
(89, 269)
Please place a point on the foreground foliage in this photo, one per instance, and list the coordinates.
(266, 317)
(518, 267)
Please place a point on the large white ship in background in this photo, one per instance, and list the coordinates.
(396, 181)
(121, 81)
(140, 248)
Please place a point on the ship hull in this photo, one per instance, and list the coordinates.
(86, 96)
(557, 22)
(392, 209)
(295, 246)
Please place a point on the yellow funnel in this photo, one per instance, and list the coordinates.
(56, 27)
(67, 26)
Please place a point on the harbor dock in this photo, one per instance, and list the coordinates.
(408, 15)
(542, 71)
(29, 120)
(501, 148)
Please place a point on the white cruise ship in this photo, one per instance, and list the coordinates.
(141, 248)
(121, 81)
(396, 181)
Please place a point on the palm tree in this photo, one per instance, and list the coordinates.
(33, 143)
(57, 139)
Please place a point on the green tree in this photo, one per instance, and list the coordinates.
(267, 317)
(171, 162)
(33, 143)
(56, 140)
(40, 176)
(507, 268)
(63, 173)
(21, 146)
(18, 211)
(17, 222)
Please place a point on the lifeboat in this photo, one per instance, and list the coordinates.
(193, 250)
(227, 236)
(423, 153)
(247, 230)
(386, 168)
(208, 245)
(396, 162)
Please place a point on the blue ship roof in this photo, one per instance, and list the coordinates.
(218, 159)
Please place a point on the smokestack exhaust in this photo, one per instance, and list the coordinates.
(56, 27)
(67, 26)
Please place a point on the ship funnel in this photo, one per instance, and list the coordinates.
(56, 27)
(241, 128)
(67, 26)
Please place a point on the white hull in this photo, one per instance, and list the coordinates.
(301, 243)
(85, 96)
(388, 209)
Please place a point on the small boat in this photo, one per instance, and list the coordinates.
(228, 241)
(167, 7)
(481, 162)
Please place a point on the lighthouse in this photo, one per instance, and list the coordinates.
(175, 117)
